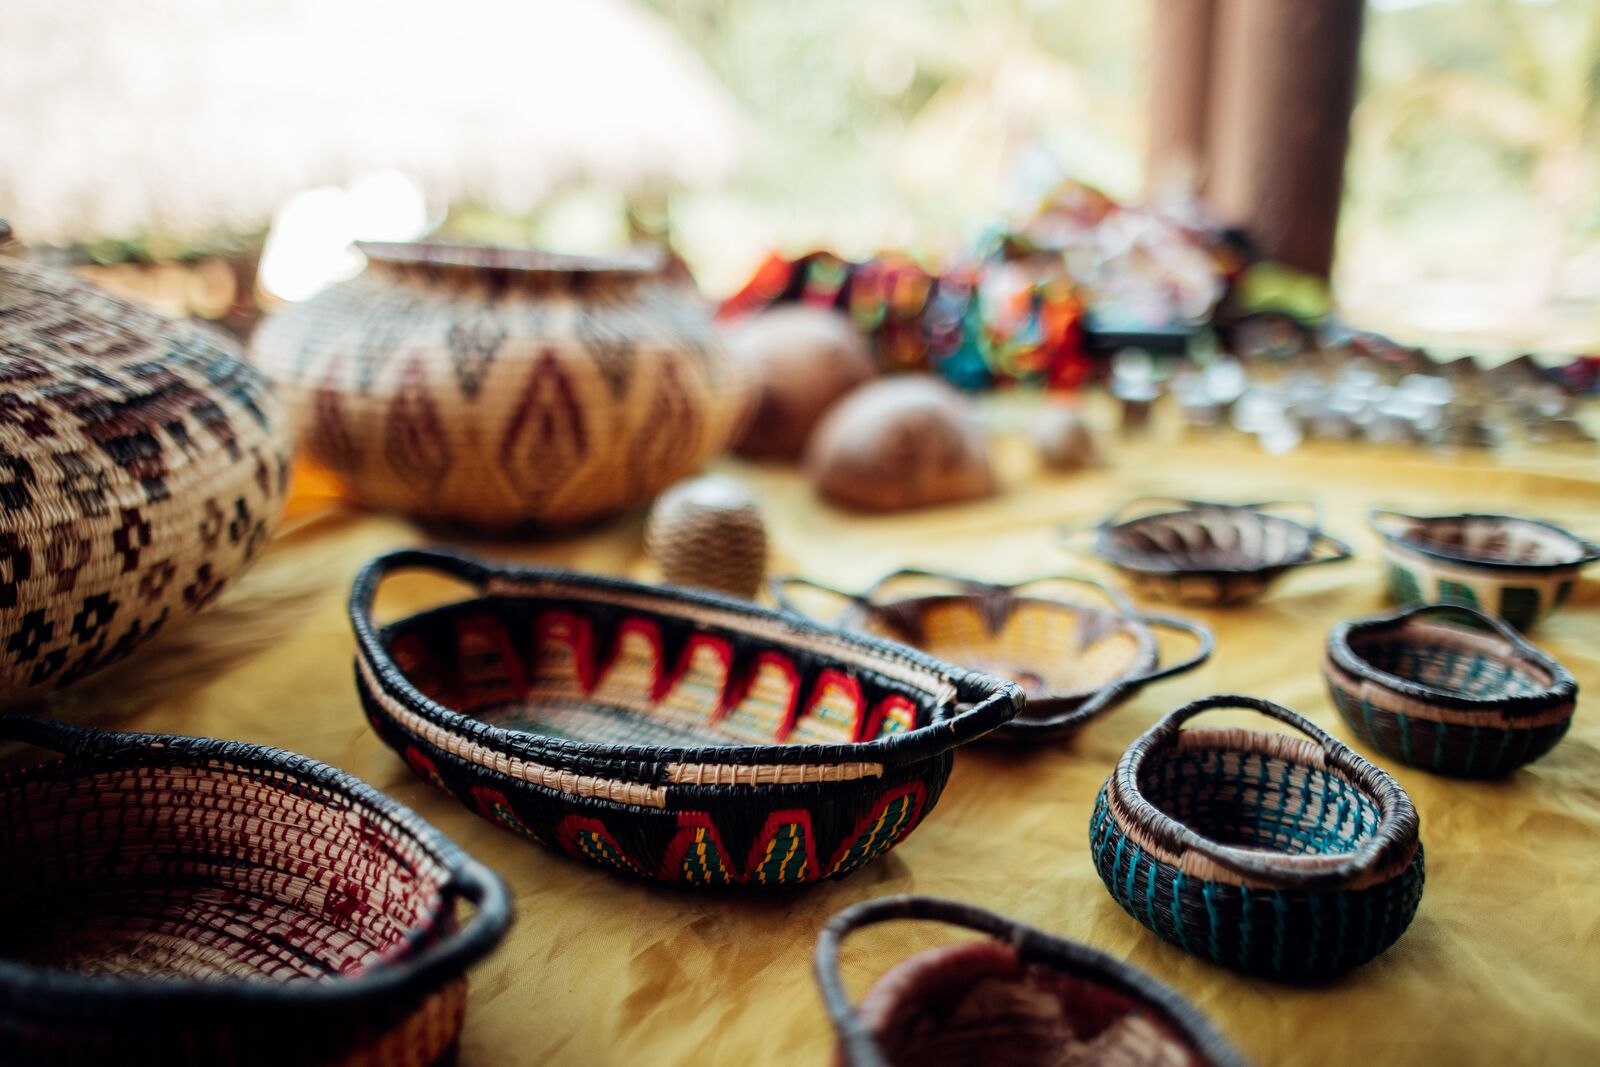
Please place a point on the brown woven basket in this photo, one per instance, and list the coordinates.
(1020, 998)
(1075, 660)
(178, 900)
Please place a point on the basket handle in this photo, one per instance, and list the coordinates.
(365, 587)
(779, 584)
(1376, 517)
(1338, 550)
(65, 738)
(456, 951)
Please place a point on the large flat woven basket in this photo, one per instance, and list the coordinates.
(1019, 997)
(664, 733)
(184, 901)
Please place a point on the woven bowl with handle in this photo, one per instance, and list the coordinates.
(1473, 700)
(1019, 997)
(1074, 659)
(179, 900)
(661, 732)
(1205, 553)
(1520, 569)
(1263, 852)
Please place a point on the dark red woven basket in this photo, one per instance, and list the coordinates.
(178, 900)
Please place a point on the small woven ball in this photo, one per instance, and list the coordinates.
(708, 532)
(1063, 439)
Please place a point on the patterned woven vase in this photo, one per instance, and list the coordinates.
(500, 388)
(143, 463)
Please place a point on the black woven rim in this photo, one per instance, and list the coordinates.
(982, 702)
(1562, 688)
(1589, 551)
(436, 961)
(1033, 947)
(1106, 549)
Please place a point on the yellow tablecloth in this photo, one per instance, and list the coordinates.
(1499, 966)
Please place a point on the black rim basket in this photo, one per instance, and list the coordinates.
(664, 733)
(1448, 688)
(1271, 854)
(1020, 996)
(178, 900)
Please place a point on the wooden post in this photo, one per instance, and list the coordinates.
(1182, 42)
(1283, 85)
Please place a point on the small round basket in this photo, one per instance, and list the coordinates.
(1520, 569)
(1472, 700)
(1020, 997)
(665, 733)
(1260, 851)
(1074, 660)
(178, 900)
(1205, 553)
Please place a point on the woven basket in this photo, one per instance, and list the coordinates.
(1074, 660)
(1520, 569)
(1259, 851)
(503, 388)
(665, 733)
(178, 900)
(1212, 554)
(143, 464)
(1473, 700)
(1019, 998)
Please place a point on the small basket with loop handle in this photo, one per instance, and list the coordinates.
(1449, 688)
(179, 900)
(1074, 659)
(1271, 854)
(1206, 553)
(662, 732)
(1018, 997)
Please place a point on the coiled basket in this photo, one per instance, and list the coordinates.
(664, 733)
(178, 900)
(1473, 700)
(1260, 851)
(1019, 997)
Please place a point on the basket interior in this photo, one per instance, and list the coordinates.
(1050, 648)
(1492, 539)
(589, 671)
(1461, 662)
(1256, 799)
(976, 1005)
(1208, 539)
(204, 873)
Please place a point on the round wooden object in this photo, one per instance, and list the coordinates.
(803, 359)
(1063, 439)
(708, 532)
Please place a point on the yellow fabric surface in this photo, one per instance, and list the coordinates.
(1499, 966)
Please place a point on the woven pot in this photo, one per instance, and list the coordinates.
(708, 532)
(143, 464)
(1259, 851)
(1073, 660)
(1019, 998)
(664, 733)
(1206, 553)
(1473, 700)
(499, 388)
(182, 901)
(1520, 569)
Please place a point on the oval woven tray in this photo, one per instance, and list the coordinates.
(664, 733)
(1020, 997)
(1260, 851)
(178, 900)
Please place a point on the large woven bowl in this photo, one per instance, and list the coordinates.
(1205, 553)
(143, 464)
(1475, 700)
(501, 388)
(180, 901)
(664, 733)
(1520, 569)
(1020, 997)
(1259, 851)
(1074, 659)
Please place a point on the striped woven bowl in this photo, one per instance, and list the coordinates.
(1259, 851)
(179, 900)
(664, 733)
(1075, 660)
(1019, 997)
(1473, 700)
